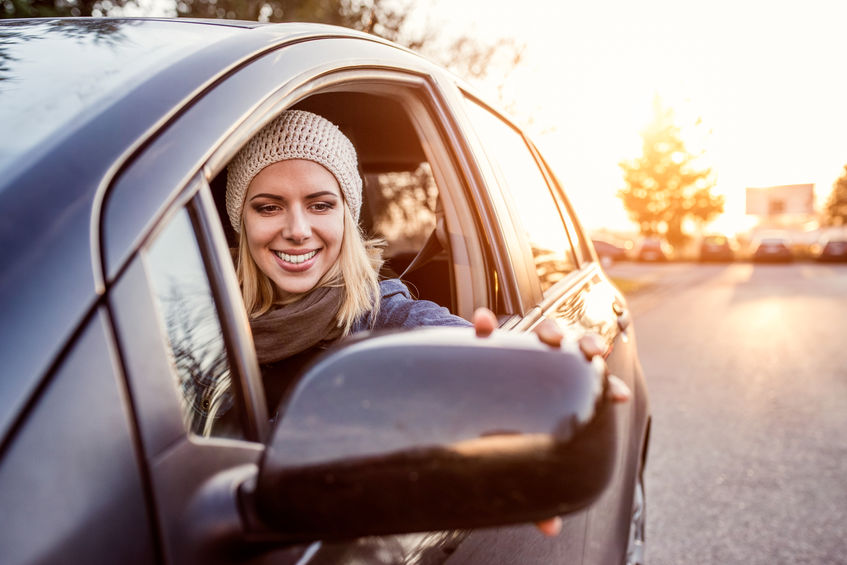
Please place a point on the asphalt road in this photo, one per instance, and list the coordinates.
(746, 367)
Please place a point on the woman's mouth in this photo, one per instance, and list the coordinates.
(296, 262)
(297, 258)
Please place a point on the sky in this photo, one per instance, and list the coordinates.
(759, 86)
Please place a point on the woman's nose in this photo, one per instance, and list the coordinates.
(297, 226)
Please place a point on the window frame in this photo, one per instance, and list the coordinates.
(196, 200)
(231, 313)
(576, 233)
(428, 111)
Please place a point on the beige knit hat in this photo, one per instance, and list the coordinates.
(294, 135)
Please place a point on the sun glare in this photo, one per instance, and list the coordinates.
(762, 82)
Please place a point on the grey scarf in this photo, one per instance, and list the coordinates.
(291, 328)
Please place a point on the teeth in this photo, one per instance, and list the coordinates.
(296, 258)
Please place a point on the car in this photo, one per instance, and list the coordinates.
(830, 248)
(133, 423)
(608, 252)
(652, 249)
(772, 250)
(716, 248)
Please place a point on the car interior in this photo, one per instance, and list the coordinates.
(401, 202)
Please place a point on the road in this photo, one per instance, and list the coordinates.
(746, 367)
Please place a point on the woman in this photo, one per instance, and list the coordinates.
(307, 274)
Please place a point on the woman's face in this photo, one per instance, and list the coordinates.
(294, 223)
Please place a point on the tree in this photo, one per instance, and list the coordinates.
(835, 213)
(389, 19)
(58, 8)
(665, 186)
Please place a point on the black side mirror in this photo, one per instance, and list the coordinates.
(435, 429)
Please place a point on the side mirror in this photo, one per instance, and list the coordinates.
(436, 429)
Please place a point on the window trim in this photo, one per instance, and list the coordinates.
(574, 227)
(195, 199)
(231, 313)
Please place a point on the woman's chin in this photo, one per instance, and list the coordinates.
(295, 284)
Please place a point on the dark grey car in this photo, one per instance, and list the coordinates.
(133, 425)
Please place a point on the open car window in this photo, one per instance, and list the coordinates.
(403, 192)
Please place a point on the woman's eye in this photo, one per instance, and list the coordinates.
(322, 206)
(267, 208)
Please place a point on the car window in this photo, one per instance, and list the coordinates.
(198, 356)
(404, 210)
(402, 192)
(579, 244)
(527, 189)
(403, 206)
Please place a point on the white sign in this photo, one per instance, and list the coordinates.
(778, 200)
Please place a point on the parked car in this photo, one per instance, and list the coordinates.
(831, 248)
(772, 250)
(652, 249)
(608, 252)
(716, 248)
(133, 423)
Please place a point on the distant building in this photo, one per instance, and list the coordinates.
(773, 202)
(789, 209)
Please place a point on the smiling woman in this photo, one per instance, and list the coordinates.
(307, 274)
(292, 194)
(293, 222)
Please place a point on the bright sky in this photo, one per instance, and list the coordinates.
(767, 78)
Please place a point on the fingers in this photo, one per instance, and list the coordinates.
(550, 527)
(484, 322)
(617, 390)
(591, 345)
(549, 332)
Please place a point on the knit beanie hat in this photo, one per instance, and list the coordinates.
(294, 135)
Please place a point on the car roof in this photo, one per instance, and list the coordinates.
(80, 95)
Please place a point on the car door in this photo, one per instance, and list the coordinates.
(194, 376)
(566, 283)
(178, 313)
(71, 488)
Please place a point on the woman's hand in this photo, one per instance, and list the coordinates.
(549, 332)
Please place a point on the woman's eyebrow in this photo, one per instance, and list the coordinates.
(318, 194)
(321, 193)
(267, 195)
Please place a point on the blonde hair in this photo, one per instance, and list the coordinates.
(356, 271)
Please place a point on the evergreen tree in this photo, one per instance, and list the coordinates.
(835, 213)
(664, 186)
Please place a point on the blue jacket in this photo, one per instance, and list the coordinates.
(397, 309)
